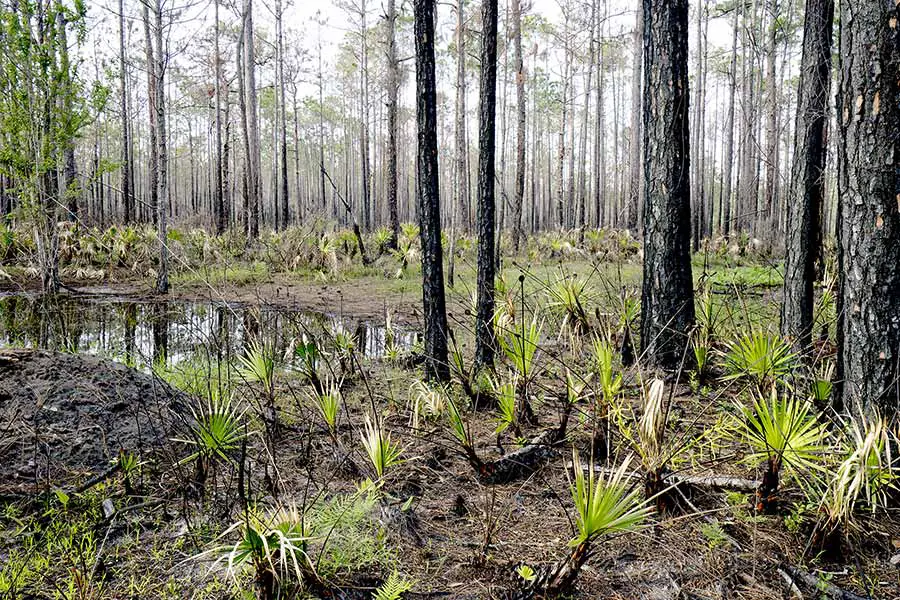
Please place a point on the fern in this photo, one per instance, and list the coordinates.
(393, 588)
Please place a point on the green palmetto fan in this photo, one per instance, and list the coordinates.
(506, 405)
(382, 452)
(273, 545)
(217, 430)
(784, 433)
(328, 404)
(567, 299)
(760, 357)
(604, 506)
(784, 429)
(257, 365)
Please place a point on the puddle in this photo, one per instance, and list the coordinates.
(142, 333)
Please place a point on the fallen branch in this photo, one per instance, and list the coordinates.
(813, 582)
(95, 480)
(719, 482)
(521, 462)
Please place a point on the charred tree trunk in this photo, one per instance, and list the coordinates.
(519, 65)
(436, 366)
(804, 230)
(127, 164)
(221, 217)
(634, 185)
(162, 205)
(485, 341)
(869, 210)
(667, 300)
(393, 64)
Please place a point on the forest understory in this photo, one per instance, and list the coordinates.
(298, 459)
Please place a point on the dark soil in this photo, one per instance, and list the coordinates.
(66, 417)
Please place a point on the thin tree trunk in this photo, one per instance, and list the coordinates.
(283, 194)
(485, 341)
(153, 167)
(254, 183)
(519, 66)
(728, 156)
(632, 207)
(162, 205)
(667, 300)
(436, 366)
(804, 233)
(218, 202)
(393, 86)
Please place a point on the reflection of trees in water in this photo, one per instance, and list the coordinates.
(139, 333)
(160, 326)
(130, 320)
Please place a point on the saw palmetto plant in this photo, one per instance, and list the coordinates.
(567, 299)
(761, 358)
(273, 546)
(216, 431)
(866, 473)
(425, 401)
(784, 432)
(383, 453)
(257, 365)
(520, 345)
(328, 404)
(505, 393)
(604, 353)
(604, 504)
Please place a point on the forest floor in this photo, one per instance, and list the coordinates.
(434, 520)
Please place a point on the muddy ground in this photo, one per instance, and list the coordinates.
(67, 417)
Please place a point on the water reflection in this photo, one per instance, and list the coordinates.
(144, 332)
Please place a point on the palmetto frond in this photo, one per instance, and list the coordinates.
(605, 505)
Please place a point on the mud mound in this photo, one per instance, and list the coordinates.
(64, 417)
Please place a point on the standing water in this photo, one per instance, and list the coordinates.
(142, 332)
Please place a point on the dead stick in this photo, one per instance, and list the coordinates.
(356, 232)
(813, 582)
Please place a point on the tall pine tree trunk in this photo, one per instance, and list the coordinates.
(519, 65)
(393, 86)
(728, 157)
(282, 183)
(221, 216)
(436, 366)
(632, 207)
(254, 183)
(485, 341)
(667, 300)
(153, 167)
(804, 226)
(162, 205)
(869, 195)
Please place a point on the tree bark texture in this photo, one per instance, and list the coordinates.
(869, 204)
(667, 301)
(804, 223)
(436, 366)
